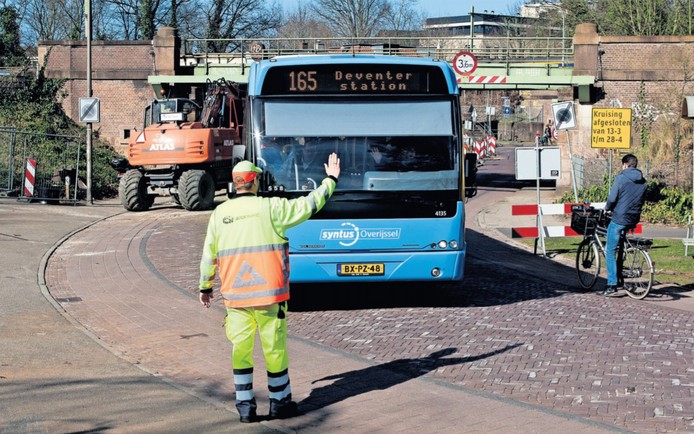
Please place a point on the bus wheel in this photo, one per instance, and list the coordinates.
(132, 190)
(196, 189)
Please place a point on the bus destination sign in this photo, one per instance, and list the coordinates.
(354, 79)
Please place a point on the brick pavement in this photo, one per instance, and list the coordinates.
(128, 281)
(55, 378)
(516, 348)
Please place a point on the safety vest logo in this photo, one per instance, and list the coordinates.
(247, 276)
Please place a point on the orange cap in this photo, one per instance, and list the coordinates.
(244, 172)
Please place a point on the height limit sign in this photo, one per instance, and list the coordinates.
(89, 110)
(465, 63)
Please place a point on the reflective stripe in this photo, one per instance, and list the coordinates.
(256, 294)
(326, 192)
(243, 379)
(312, 203)
(208, 261)
(252, 249)
(278, 385)
(281, 394)
(244, 395)
(277, 382)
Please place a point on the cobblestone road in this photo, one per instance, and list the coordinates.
(524, 333)
(516, 327)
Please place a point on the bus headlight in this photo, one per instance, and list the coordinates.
(453, 244)
(442, 244)
(435, 272)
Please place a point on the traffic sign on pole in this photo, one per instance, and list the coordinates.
(564, 118)
(465, 63)
(89, 110)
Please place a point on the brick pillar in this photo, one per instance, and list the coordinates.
(586, 54)
(167, 51)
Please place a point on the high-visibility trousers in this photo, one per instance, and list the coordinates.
(271, 323)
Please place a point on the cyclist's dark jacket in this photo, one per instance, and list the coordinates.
(626, 197)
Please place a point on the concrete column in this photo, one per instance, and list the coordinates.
(167, 51)
(586, 50)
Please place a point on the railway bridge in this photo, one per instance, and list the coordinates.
(592, 69)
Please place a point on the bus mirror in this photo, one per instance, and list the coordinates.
(239, 152)
(470, 175)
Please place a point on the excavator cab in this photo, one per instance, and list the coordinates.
(172, 110)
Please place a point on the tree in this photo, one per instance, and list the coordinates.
(11, 53)
(352, 18)
(571, 13)
(633, 17)
(402, 17)
(229, 19)
(302, 23)
(123, 14)
(146, 18)
(680, 19)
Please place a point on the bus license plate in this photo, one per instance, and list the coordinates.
(370, 269)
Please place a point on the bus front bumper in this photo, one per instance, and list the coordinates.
(374, 267)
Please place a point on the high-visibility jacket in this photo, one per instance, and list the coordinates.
(246, 240)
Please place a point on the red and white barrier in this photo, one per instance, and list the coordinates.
(480, 149)
(29, 177)
(491, 146)
(551, 209)
(487, 79)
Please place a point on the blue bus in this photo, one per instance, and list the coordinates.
(398, 211)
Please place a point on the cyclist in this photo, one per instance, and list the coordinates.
(624, 202)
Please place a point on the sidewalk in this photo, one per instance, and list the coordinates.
(166, 364)
(54, 377)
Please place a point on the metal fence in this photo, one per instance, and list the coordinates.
(43, 167)
(486, 48)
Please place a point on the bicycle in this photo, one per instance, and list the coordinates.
(636, 270)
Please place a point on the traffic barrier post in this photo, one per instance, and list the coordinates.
(551, 231)
(29, 177)
(491, 146)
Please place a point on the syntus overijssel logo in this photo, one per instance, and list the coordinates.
(348, 234)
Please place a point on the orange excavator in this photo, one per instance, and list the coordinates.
(183, 148)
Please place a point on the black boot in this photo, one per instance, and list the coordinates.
(283, 409)
(247, 411)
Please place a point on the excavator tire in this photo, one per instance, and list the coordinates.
(196, 190)
(132, 190)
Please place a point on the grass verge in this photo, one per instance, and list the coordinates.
(671, 266)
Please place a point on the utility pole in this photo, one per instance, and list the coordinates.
(88, 34)
(472, 28)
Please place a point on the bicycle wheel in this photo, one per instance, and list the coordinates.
(637, 273)
(587, 263)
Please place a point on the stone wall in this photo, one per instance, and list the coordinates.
(661, 66)
(620, 64)
(119, 78)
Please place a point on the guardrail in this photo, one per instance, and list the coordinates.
(507, 50)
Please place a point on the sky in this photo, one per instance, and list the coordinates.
(442, 8)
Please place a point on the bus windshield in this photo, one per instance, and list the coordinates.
(392, 145)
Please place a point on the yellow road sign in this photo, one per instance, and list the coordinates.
(611, 128)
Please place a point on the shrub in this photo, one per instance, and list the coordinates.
(663, 204)
(34, 108)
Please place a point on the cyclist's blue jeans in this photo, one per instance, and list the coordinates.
(614, 232)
